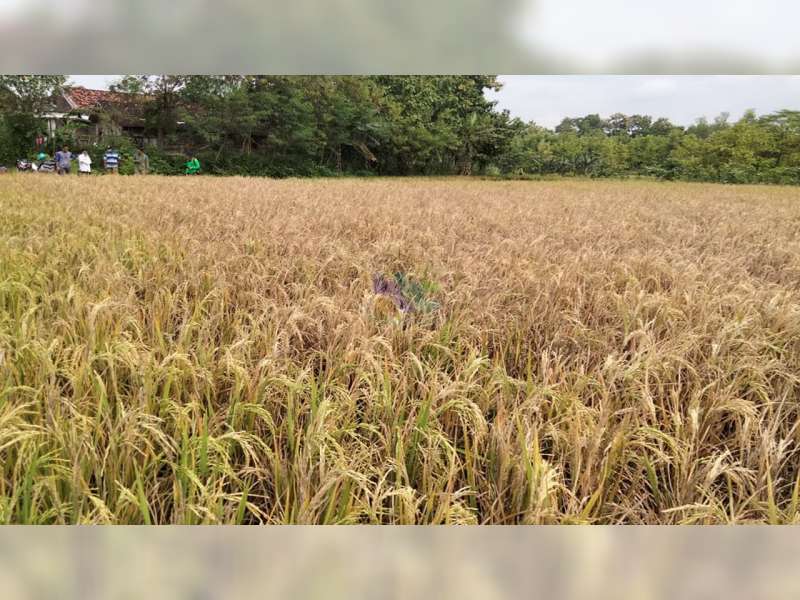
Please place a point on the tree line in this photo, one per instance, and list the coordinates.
(412, 125)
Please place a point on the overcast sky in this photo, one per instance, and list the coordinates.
(496, 36)
(599, 33)
(546, 99)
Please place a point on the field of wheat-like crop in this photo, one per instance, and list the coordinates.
(211, 350)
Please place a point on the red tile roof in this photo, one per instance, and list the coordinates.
(82, 97)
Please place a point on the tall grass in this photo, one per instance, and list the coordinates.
(210, 351)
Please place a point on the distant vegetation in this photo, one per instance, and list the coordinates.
(413, 125)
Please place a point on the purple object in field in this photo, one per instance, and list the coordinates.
(388, 287)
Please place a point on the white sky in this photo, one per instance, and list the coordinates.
(584, 36)
(546, 99)
(95, 82)
(597, 33)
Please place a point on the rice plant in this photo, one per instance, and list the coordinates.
(213, 350)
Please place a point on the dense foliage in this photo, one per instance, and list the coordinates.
(752, 150)
(22, 97)
(415, 125)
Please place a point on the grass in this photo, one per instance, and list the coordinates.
(209, 350)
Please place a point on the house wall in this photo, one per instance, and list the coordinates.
(93, 133)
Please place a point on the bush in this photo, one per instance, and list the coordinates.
(165, 163)
(783, 175)
(7, 157)
(659, 173)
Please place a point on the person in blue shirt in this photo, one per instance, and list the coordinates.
(111, 160)
(63, 161)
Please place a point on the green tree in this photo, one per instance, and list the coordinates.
(429, 118)
(23, 101)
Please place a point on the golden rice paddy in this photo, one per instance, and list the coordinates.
(210, 350)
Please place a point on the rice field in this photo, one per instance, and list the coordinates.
(213, 350)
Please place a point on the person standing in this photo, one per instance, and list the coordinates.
(141, 162)
(63, 161)
(111, 160)
(84, 163)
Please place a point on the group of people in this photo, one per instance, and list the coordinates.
(111, 161)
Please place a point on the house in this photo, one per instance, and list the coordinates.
(98, 114)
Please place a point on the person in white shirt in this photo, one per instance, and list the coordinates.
(84, 163)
